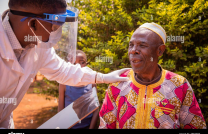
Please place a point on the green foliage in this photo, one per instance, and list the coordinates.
(46, 87)
(106, 26)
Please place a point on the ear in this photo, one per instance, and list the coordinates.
(161, 50)
(33, 24)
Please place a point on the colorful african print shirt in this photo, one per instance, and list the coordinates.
(168, 104)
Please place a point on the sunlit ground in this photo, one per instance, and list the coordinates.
(34, 109)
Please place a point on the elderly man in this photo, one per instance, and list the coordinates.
(29, 30)
(153, 98)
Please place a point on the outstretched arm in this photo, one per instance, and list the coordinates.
(54, 68)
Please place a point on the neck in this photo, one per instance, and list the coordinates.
(151, 75)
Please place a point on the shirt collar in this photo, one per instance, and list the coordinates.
(151, 82)
(12, 37)
(10, 33)
(155, 84)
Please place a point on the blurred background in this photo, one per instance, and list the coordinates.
(105, 28)
(3, 5)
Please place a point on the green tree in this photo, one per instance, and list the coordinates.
(106, 27)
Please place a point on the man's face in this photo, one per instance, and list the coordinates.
(22, 29)
(41, 31)
(142, 50)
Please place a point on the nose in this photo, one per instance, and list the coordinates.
(134, 50)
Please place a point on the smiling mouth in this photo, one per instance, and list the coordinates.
(136, 61)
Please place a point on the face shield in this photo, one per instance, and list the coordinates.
(66, 46)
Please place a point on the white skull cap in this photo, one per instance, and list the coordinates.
(157, 29)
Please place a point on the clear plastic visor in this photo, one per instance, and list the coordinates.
(66, 47)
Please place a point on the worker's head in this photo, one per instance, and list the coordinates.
(146, 45)
(81, 58)
(22, 29)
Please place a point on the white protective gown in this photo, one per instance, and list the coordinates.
(15, 78)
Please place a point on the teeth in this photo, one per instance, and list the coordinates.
(136, 61)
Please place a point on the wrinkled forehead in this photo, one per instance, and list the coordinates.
(144, 35)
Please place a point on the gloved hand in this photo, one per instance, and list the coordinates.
(112, 77)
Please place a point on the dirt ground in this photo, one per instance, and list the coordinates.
(34, 110)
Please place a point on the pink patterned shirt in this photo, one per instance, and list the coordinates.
(169, 103)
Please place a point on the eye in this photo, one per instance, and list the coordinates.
(83, 62)
(131, 44)
(142, 46)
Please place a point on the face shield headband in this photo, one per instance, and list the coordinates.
(66, 46)
(57, 19)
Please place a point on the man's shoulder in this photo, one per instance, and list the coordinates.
(174, 77)
(125, 74)
(115, 89)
